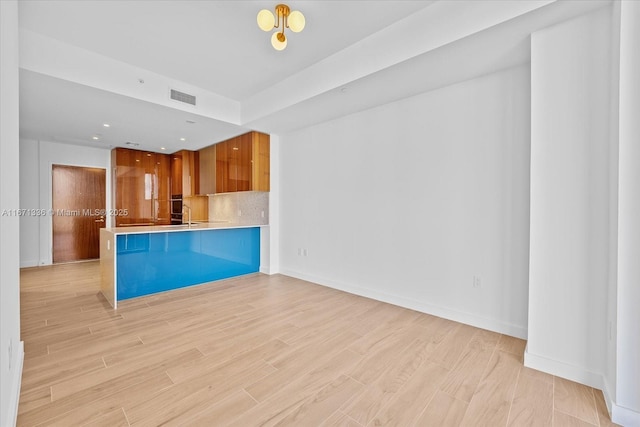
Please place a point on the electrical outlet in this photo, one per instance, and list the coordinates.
(477, 282)
(239, 212)
(262, 213)
(299, 251)
(304, 252)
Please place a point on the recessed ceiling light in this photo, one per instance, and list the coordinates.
(106, 125)
(95, 137)
(183, 139)
(162, 148)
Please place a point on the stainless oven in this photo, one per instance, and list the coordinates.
(176, 209)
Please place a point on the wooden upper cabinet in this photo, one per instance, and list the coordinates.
(185, 173)
(208, 170)
(176, 174)
(261, 161)
(222, 168)
(242, 160)
(242, 163)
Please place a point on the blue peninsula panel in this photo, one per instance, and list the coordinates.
(155, 262)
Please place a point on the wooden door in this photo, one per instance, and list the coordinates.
(79, 205)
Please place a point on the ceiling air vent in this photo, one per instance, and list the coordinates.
(183, 97)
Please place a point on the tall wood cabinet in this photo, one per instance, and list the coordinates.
(242, 163)
(142, 187)
(185, 175)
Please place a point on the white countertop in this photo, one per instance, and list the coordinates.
(196, 226)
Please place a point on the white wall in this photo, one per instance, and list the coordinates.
(11, 348)
(29, 199)
(36, 161)
(627, 410)
(408, 201)
(570, 198)
(274, 205)
(609, 386)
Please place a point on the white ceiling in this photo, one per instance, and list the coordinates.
(215, 45)
(62, 111)
(352, 55)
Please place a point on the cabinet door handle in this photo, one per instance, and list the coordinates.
(99, 220)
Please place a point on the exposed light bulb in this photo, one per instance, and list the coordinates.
(278, 41)
(296, 21)
(266, 20)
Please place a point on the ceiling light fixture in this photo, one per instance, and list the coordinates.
(284, 16)
(106, 125)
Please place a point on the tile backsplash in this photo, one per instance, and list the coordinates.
(243, 207)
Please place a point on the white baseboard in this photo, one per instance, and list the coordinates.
(435, 310)
(28, 263)
(619, 415)
(563, 370)
(624, 416)
(270, 270)
(16, 383)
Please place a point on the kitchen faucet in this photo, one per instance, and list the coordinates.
(184, 205)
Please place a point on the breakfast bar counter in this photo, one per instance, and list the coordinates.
(142, 260)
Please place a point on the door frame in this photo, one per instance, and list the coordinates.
(46, 199)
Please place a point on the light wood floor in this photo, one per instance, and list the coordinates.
(270, 350)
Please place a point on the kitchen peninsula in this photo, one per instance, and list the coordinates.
(137, 261)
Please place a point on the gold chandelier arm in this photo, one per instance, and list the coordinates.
(282, 11)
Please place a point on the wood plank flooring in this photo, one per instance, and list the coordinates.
(270, 350)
